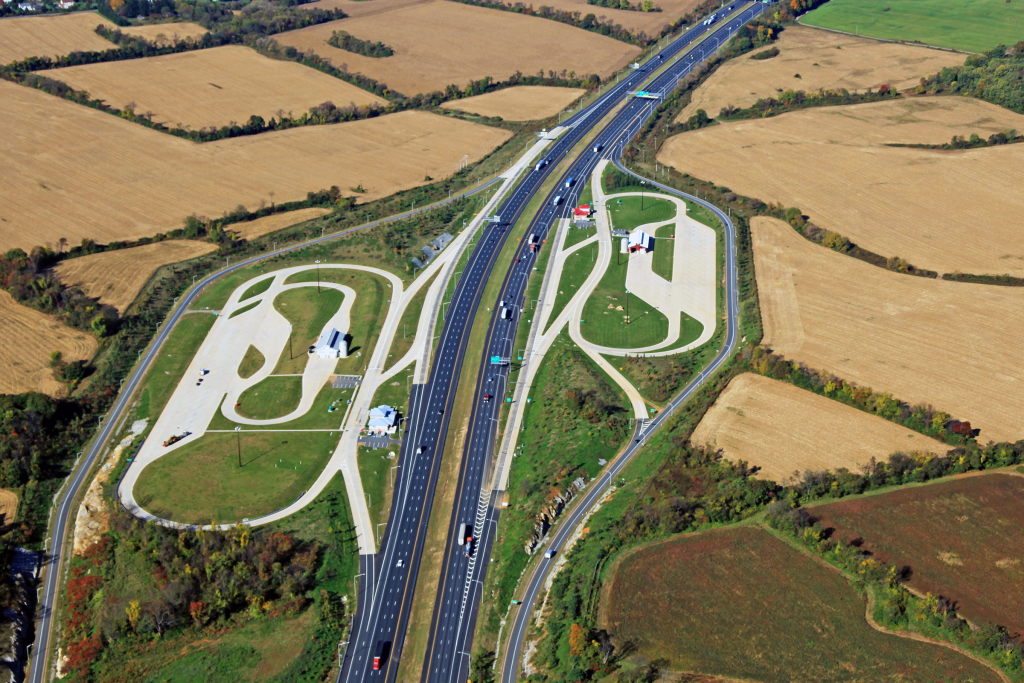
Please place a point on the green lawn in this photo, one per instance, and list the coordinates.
(575, 271)
(631, 212)
(274, 396)
(394, 392)
(242, 309)
(375, 473)
(251, 363)
(172, 361)
(308, 310)
(319, 415)
(202, 481)
(577, 235)
(405, 335)
(605, 324)
(664, 251)
(373, 296)
(971, 25)
(257, 289)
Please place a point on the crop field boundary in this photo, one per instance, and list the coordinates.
(800, 21)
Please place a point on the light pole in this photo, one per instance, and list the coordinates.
(291, 356)
(238, 434)
(318, 276)
(642, 184)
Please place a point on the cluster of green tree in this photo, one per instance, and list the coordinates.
(588, 22)
(920, 418)
(994, 76)
(788, 11)
(1003, 280)
(130, 9)
(197, 578)
(643, 6)
(766, 54)
(895, 606)
(29, 280)
(344, 41)
(791, 100)
(658, 378)
(971, 142)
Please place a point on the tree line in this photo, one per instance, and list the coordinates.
(587, 22)
(994, 76)
(345, 41)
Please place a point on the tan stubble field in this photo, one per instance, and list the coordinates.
(440, 43)
(521, 103)
(784, 430)
(259, 227)
(953, 345)
(81, 173)
(823, 60)
(941, 210)
(116, 277)
(212, 88)
(22, 37)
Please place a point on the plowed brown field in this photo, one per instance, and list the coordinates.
(115, 277)
(823, 60)
(83, 173)
(440, 43)
(212, 87)
(785, 430)
(165, 33)
(28, 338)
(940, 210)
(22, 37)
(521, 103)
(953, 345)
(264, 226)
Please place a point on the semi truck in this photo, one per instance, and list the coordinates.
(380, 653)
(558, 200)
(568, 183)
(463, 528)
(534, 242)
(540, 164)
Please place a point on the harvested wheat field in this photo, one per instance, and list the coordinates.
(953, 345)
(29, 337)
(22, 37)
(940, 210)
(361, 8)
(823, 60)
(650, 23)
(8, 507)
(440, 43)
(521, 103)
(115, 277)
(165, 33)
(259, 227)
(784, 430)
(212, 88)
(112, 179)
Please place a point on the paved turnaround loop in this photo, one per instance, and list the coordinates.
(53, 553)
(386, 593)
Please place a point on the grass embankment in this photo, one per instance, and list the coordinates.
(202, 481)
(576, 412)
(319, 416)
(575, 270)
(251, 363)
(270, 398)
(170, 364)
(408, 324)
(576, 235)
(971, 25)
(604, 323)
(308, 310)
(664, 251)
(719, 583)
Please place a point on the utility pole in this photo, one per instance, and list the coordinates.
(238, 434)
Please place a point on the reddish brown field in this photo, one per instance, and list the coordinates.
(962, 539)
(742, 604)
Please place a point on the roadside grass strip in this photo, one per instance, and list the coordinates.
(243, 309)
(202, 482)
(257, 289)
(172, 361)
(575, 271)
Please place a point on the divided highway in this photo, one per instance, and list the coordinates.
(459, 594)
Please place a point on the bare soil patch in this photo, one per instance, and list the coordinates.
(953, 345)
(8, 507)
(28, 338)
(940, 210)
(83, 173)
(521, 103)
(212, 88)
(440, 43)
(115, 277)
(165, 33)
(785, 430)
(823, 60)
(22, 37)
(279, 221)
(961, 539)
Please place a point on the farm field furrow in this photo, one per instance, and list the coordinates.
(440, 43)
(972, 25)
(822, 60)
(86, 174)
(952, 345)
(212, 88)
(742, 604)
(28, 338)
(784, 430)
(961, 539)
(520, 103)
(22, 37)
(116, 277)
(940, 210)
